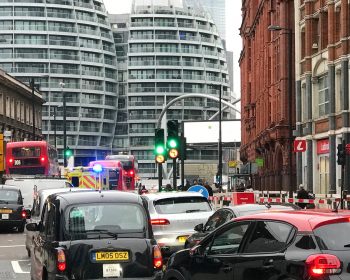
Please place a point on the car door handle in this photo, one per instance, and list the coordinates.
(227, 268)
(268, 264)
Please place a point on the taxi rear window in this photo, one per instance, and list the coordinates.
(178, 205)
(333, 236)
(9, 196)
(83, 219)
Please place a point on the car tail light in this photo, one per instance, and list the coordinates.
(157, 257)
(323, 264)
(24, 214)
(61, 260)
(160, 222)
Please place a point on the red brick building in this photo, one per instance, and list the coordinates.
(267, 88)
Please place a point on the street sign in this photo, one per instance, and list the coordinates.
(299, 146)
(198, 188)
(347, 148)
(232, 163)
(7, 135)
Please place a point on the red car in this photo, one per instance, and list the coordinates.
(288, 245)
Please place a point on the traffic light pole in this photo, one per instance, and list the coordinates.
(183, 153)
(220, 142)
(160, 177)
(174, 175)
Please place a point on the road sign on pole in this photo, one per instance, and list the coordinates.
(299, 146)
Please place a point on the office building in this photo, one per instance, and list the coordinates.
(67, 47)
(172, 51)
(322, 93)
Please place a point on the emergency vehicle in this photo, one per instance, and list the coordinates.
(96, 177)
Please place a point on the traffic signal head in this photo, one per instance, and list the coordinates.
(159, 146)
(173, 128)
(341, 154)
(68, 152)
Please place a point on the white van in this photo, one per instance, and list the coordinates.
(29, 186)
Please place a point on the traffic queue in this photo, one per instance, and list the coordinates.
(88, 233)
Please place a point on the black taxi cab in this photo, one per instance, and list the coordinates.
(94, 235)
(12, 212)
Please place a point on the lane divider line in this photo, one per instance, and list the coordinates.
(17, 268)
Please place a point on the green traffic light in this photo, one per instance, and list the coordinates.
(172, 143)
(68, 153)
(160, 150)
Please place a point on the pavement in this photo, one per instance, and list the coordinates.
(14, 262)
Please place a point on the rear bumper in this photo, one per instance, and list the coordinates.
(170, 243)
(12, 223)
(157, 276)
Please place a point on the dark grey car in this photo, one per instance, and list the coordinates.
(226, 214)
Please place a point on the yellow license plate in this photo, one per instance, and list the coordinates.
(182, 239)
(111, 256)
(5, 211)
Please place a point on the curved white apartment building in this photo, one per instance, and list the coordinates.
(55, 41)
(173, 50)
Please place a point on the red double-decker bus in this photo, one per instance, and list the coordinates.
(31, 158)
(130, 167)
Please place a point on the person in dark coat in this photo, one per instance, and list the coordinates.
(209, 188)
(302, 194)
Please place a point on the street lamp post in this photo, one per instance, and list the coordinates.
(32, 85)
(290, 96)
(220, 142)
(55, 125)
(62, 84)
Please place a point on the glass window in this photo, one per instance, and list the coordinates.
(323, 96)
(334, 237)
(229, 240)
(26, 152)
(216, 220)
(269, 237)
(177, 205)
(9, 196)
(84, 219)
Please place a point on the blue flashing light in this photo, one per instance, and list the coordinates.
(97, 168)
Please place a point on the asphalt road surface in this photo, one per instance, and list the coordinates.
(14, 263)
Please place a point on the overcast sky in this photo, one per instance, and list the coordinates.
(233, 22)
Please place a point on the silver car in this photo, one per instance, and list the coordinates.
(174, 215)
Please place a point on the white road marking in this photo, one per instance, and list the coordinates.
(11, 246)
(17, 268)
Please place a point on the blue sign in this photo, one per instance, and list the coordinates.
(198, 188)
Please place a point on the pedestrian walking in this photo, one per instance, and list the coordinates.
(209, 188)
(302, 194)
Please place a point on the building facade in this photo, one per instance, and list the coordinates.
(67, 47)
(17, 101)
(171, 51)
(217, 10)
(267, 92)
(322, 92)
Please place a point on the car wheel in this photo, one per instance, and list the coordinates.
(20, 228)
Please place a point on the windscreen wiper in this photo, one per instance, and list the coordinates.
(105, 231)
(193, 210)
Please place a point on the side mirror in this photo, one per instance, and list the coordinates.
(32, 227)
(28, 214)
(199, 227)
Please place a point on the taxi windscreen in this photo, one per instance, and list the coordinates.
(86, 220)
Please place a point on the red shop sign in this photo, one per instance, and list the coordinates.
(323, 146)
